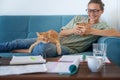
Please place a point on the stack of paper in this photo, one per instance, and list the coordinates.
(27, 59)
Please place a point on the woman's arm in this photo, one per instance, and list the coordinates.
(66, 32)
(110, 32)
(77, 30)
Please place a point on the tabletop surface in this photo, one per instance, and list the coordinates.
(109, 72)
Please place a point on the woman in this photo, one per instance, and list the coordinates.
(78, 43)
(75, 38)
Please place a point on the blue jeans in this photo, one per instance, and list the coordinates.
(44, 49)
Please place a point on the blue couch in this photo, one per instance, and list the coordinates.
(20, 27)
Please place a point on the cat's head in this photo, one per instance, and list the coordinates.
(43, 36)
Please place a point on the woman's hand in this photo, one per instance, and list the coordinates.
(79, 30)
(88, 29)
(82, 29)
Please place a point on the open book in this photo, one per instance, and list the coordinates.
(65, 65)
(27, 59)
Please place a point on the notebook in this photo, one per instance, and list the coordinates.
(27, 59)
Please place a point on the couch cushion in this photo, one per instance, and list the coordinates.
(13, 27)
(113, 48)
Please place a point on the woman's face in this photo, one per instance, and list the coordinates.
(94, 12)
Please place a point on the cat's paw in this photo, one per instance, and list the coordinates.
(59, 51)
(29, 51)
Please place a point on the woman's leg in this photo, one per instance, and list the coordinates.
(49, 50)
(20, 51)
(16, 44)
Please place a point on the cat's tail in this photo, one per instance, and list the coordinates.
(58, 46)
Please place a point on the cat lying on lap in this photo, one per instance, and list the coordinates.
(50, 36)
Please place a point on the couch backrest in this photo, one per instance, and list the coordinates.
(45, 23)
(18, 27)
(13, 27)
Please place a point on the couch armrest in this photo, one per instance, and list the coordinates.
(113, 48)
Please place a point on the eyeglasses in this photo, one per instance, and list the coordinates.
(93, 10)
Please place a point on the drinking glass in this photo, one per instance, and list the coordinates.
(99, 50)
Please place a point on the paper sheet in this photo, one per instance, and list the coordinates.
(69, 58)
(22, 69)
(106, 59)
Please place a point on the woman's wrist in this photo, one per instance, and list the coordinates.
(67, 32)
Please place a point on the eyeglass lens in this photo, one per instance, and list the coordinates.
(92, 10)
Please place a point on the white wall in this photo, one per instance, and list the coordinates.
(42, 7)
(111, 12)
(59, 7)
(118, 18)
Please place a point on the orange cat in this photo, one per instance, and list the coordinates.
(46, 37)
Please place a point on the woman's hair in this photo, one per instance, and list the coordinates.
(97, 2)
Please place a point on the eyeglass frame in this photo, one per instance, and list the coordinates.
(93, 10)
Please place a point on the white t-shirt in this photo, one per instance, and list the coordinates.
(78, 43)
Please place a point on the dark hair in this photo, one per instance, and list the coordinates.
(97, 2)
